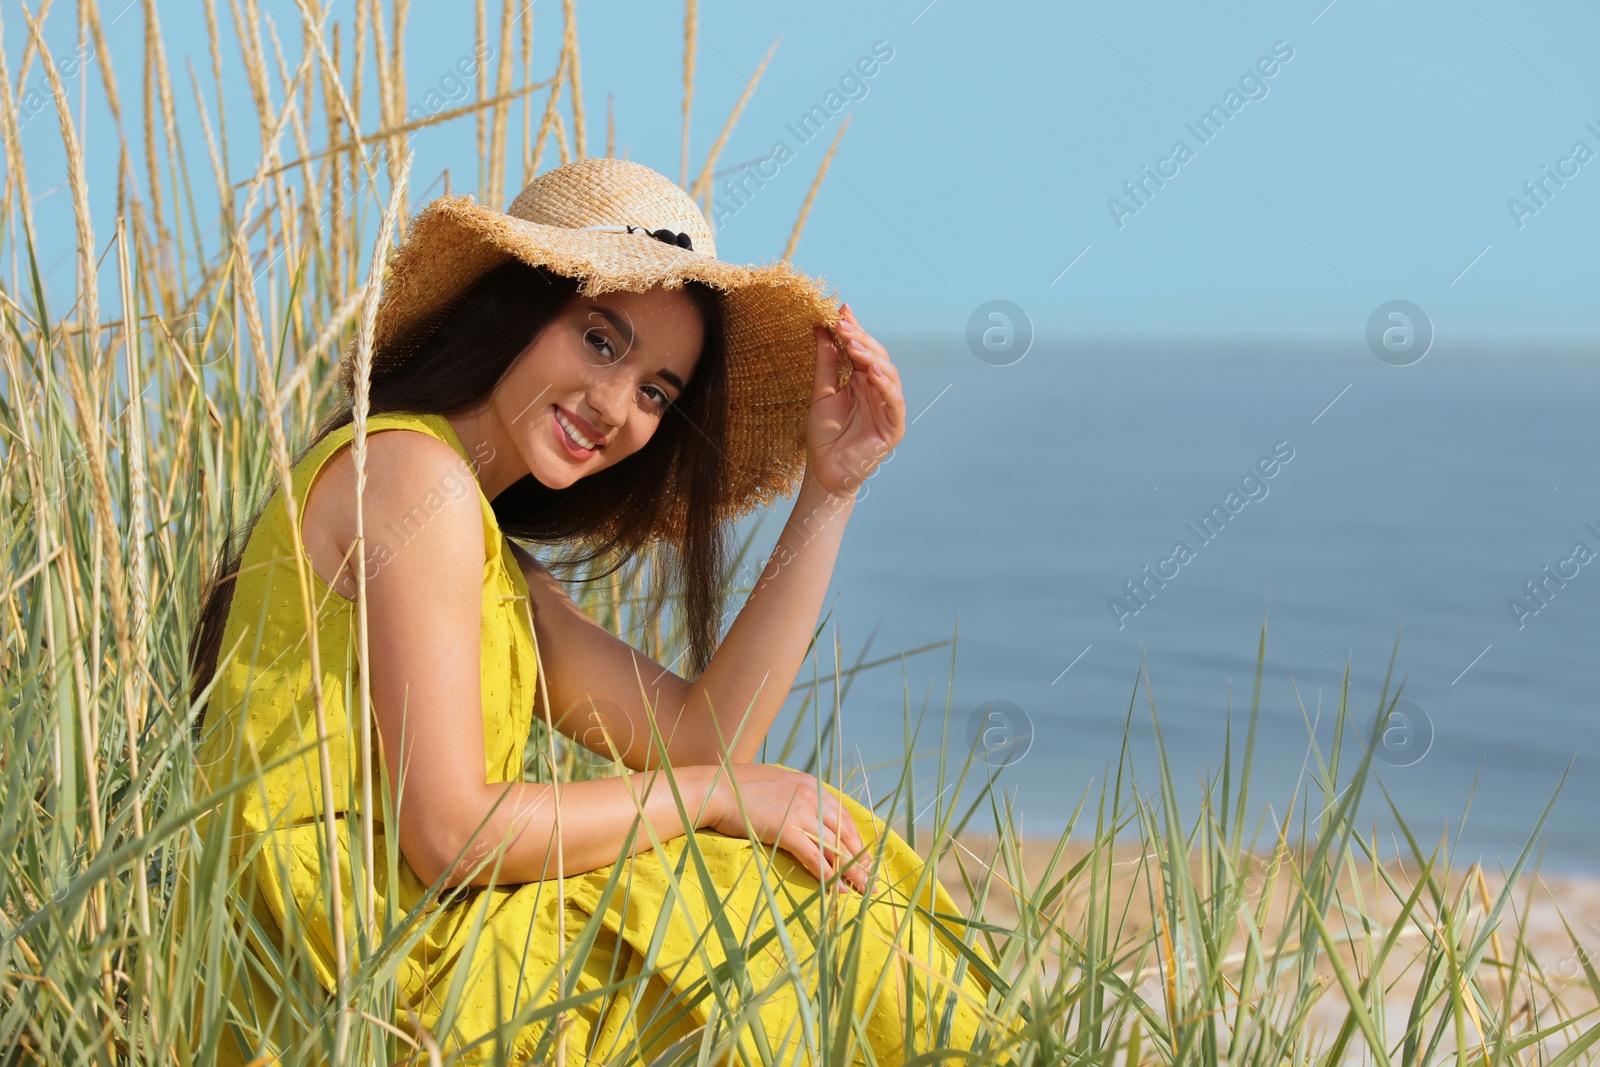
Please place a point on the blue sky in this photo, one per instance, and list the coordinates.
(1378, 162)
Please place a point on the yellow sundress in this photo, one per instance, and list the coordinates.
(479, 967)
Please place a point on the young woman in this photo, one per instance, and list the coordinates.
(580, 369)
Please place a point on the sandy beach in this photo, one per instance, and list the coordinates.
(1544, 907)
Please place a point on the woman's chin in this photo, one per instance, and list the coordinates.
(558, 472)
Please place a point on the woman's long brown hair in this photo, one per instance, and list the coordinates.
(613, 514)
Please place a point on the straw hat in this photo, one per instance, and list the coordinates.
(575, 220)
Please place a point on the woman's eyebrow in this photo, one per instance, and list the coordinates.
(618, 323)
(671, 378)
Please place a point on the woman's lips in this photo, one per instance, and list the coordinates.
(574, 449)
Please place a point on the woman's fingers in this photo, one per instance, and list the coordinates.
(855, 863)
(828, 849)
(867, 352)
(843, 842)
(848, 835)
(811, 823)
(805, 848)
(891, 403)
(886, 400)
(885, 405)
(827, 373)
(862, 345)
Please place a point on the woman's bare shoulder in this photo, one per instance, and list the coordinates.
(418, 498)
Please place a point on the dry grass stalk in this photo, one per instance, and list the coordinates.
(248, 26)
(811, 194)
(172, 277)
(10, 134)
(701, 190)
(478, 23)
(561, 139)
(90, 13)
(551, 117)
(86, 413)
(214, 42)
(397, 83)
(525, 45)
(358, 63)
(152, 71)
(380, 52)
(360, 404)
(691, 25)
(391, 132)
(569, 42)
(501, 112)
(133, 684)
(336, 206)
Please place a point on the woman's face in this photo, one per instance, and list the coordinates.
(593, 386)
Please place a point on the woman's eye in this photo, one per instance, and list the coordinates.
(601, 343)
(657, 397)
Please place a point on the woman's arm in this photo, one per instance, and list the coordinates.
(424, 617)
(773, 805)
(730, 707)
(602, 688)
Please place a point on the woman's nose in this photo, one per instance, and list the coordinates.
(608, 395)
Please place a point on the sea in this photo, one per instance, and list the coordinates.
(1103, 527)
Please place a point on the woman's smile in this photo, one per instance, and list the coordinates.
(577, 436)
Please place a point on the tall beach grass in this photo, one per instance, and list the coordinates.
(143, 415)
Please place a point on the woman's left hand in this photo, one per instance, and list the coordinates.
(851, 430)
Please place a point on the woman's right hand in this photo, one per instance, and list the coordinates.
(778, 806)
(850, 431)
